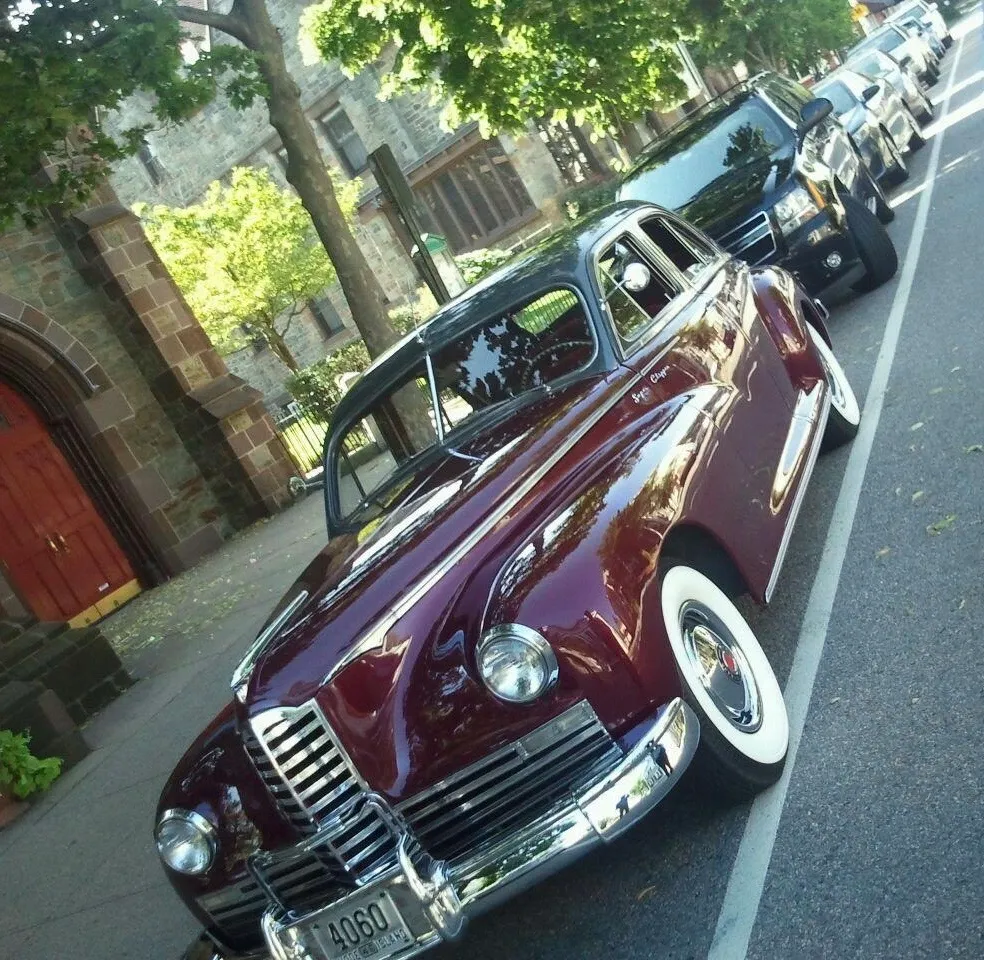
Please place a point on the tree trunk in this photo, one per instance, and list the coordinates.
(628, 136)
(279, 346)
(307, 173)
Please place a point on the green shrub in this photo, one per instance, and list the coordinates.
(22, 773)
(478, 263)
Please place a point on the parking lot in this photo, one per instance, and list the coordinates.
(870, 845)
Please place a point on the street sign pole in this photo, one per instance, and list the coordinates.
(396, 190)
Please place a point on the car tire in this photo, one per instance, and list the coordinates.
(927, 111)
(916, 139)
(898, 171)
(844, 419)
(932, 76)
(883, 209)
(948, 41)
(728, 681)
(874, 245)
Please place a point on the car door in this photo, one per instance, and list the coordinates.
(695, 338)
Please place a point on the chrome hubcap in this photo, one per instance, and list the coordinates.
(720, 667)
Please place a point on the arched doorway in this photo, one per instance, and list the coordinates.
(56, 550)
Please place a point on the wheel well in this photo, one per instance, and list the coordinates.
(699, 549)
(812, 316)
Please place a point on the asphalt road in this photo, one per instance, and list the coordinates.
(879, 851)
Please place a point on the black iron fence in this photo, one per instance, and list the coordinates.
(303, 437)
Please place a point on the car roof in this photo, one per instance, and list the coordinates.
(554, 262)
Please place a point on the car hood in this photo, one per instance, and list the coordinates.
(404, 700)
(728, 199)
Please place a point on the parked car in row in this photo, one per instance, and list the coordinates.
(915, 27)
(880, 66)
(877, 120)
(904, 47)
(928, 15)
(774, 178)
(541, 505)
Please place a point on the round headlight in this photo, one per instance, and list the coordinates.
(186, 841)
(516, 663)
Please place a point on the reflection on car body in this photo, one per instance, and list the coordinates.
(540, 505)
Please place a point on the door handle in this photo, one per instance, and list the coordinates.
(64, 545)
(52, 545)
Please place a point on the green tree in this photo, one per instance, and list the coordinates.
(509, 61)
(790, 36)
(60, 61)
(247, 258)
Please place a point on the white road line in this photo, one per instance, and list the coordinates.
(747, 881)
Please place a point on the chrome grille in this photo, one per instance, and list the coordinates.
(300, 882)
(509, 789)
(752, 241)
(313, 781)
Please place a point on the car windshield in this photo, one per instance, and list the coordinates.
(872, 64)
(837, 93)
(483, 371)
(886, 41)
(723, 141)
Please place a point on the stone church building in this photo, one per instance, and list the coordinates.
(504, 191)
(127, 448)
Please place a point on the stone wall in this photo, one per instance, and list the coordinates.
(262, 369)
(176, 452)
(35, 268)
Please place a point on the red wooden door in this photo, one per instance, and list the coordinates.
(56, 550)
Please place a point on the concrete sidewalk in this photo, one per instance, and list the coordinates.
(79, 875)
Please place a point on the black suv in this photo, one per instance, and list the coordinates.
(774, 178)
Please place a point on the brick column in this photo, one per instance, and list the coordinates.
(220, 419)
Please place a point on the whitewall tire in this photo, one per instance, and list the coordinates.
(729, 682)
(845, 411)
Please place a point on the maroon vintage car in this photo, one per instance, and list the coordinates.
(539, 507)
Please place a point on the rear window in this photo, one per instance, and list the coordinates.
(838, 94)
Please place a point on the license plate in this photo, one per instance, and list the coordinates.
(366, 928)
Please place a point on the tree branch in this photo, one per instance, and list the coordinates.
(234, 26)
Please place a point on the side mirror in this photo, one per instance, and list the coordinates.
(812, 113)
(636, 277)
(870, 92)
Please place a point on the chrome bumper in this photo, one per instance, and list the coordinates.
(436, 898)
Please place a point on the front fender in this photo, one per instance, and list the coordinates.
(587, 577)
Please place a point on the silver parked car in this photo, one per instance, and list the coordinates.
(903, 80)
(877, 120)
(905, 47)
(928, 14)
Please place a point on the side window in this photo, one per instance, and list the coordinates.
(635, 291)
(683, 249)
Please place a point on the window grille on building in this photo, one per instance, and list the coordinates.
(151, 164)
(345, 141)
(326, 316)
(474, 200)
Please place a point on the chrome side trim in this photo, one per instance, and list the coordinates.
(800, 492)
